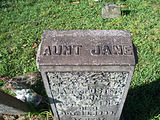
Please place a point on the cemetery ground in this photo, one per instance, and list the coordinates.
(22, 23)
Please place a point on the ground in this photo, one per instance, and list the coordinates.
(22, 23)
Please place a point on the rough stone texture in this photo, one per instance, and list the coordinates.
(11, 105)
(86, 73)
(111, 10)
(87, 93)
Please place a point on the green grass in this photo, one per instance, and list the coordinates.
(22, 23)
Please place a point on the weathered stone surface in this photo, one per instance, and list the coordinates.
(88, 47)
(111, 10)
(11, 105)
(87, 93)
(86, 73)
(22, 87)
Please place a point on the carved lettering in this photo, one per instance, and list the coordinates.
(77, 49)
(104, 89)
(106, 50)
(127, 50)
(47, 51)
(117, 49)
(111, 50)
(57, 50)
(96, 51)
(92, 118)
(62, 50)
(67, 50)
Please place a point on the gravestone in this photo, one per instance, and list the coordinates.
(86, 73)
(11, 105)
(111, 10)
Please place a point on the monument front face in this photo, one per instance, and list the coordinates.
(86, 73)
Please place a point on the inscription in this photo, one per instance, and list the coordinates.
(86, 93)
(97, 50)
(88, 118)
(62, 50)
(88, 111)
(112, 50)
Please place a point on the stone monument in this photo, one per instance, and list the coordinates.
(86, 73)
(11, 105)
(111, 10)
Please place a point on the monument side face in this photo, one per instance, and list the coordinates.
(86, 73)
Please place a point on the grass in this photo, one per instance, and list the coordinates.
(22, 23)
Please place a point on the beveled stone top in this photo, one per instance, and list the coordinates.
(86, 47)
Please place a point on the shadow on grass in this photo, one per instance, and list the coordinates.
(125, 12)
(123, 0)
(143, 102)
(39, 88)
